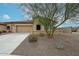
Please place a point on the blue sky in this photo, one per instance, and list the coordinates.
(10, 12)
(13, 12)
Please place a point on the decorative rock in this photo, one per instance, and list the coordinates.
(60, 45)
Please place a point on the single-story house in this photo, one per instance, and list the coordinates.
(2, 26)
(27, 26)
(18, 26)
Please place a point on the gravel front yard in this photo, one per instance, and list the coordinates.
(47, 47)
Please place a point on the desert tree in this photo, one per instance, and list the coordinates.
(51, 15)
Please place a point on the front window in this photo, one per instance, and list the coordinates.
(38, 27)
(8, 27)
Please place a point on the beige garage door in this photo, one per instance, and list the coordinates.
(24, 28)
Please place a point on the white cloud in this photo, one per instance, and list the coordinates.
(6, 16)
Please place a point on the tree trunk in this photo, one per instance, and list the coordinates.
(53, 31)
(46, 30)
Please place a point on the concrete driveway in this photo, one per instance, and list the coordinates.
(9, 42)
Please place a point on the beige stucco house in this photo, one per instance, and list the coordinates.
(2, 26)
(19, 26)
(28, 26)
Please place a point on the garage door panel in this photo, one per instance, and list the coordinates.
(24, 28)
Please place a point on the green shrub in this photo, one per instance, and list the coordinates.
(32, 38)
(4, 31)
(1, 31)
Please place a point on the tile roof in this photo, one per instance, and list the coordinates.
(18, 22)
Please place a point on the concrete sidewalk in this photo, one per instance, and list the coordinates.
(9, 42)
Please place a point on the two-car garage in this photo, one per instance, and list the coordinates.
(24, 28)
(20, 26)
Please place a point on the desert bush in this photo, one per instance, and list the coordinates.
(4, 31)
(1, 31)
(32, 38)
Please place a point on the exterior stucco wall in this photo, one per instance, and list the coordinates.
(59, 30)
(14, 27)
(78, 30)
(24, 28)
(10, 26)
(34, 30)
(2, 27)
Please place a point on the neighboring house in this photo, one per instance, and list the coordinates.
(27, 26)
(2, 26)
